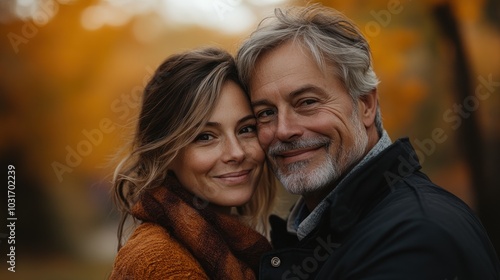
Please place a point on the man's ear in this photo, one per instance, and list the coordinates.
(368, 108)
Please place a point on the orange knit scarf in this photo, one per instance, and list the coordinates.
(225, 248)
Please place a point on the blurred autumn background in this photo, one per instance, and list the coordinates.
(71, 75)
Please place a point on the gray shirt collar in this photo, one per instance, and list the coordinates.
(301, 222)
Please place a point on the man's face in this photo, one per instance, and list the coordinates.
(308, 124)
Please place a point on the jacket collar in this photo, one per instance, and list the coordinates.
(301, 222)
(364, 188)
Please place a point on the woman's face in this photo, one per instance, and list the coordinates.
(224, 163)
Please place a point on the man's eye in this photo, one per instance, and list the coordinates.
(308, 101)
(265, 113)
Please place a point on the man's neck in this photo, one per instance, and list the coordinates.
(312, 199)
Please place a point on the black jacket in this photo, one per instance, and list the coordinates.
(389, 221)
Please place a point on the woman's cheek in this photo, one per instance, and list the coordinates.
(254, 150)
(265, 137)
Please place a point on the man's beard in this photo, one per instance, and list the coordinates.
(302, 177)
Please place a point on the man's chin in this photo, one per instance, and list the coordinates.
(294, 167)
(299, 185)
(306, 180)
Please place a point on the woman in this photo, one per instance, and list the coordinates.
(195, 159)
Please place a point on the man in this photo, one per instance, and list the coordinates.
(366, 211)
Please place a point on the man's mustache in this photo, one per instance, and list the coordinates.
(279, 147)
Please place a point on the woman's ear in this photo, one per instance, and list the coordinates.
(368, 108)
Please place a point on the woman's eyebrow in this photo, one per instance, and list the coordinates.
(246, 118)
(242, 120)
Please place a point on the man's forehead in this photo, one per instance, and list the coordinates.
(285, 68)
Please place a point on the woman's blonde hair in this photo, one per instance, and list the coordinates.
(176, 104)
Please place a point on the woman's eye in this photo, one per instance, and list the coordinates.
(204, 137)
(249, 129)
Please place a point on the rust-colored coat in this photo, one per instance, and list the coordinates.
(152, 253)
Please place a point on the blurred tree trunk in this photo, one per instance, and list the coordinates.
(472, 144)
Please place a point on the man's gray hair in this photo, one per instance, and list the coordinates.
(329, 36)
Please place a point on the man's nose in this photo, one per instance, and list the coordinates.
(288, 127)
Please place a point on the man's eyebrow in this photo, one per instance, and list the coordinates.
(303, 89)
(261, 102)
